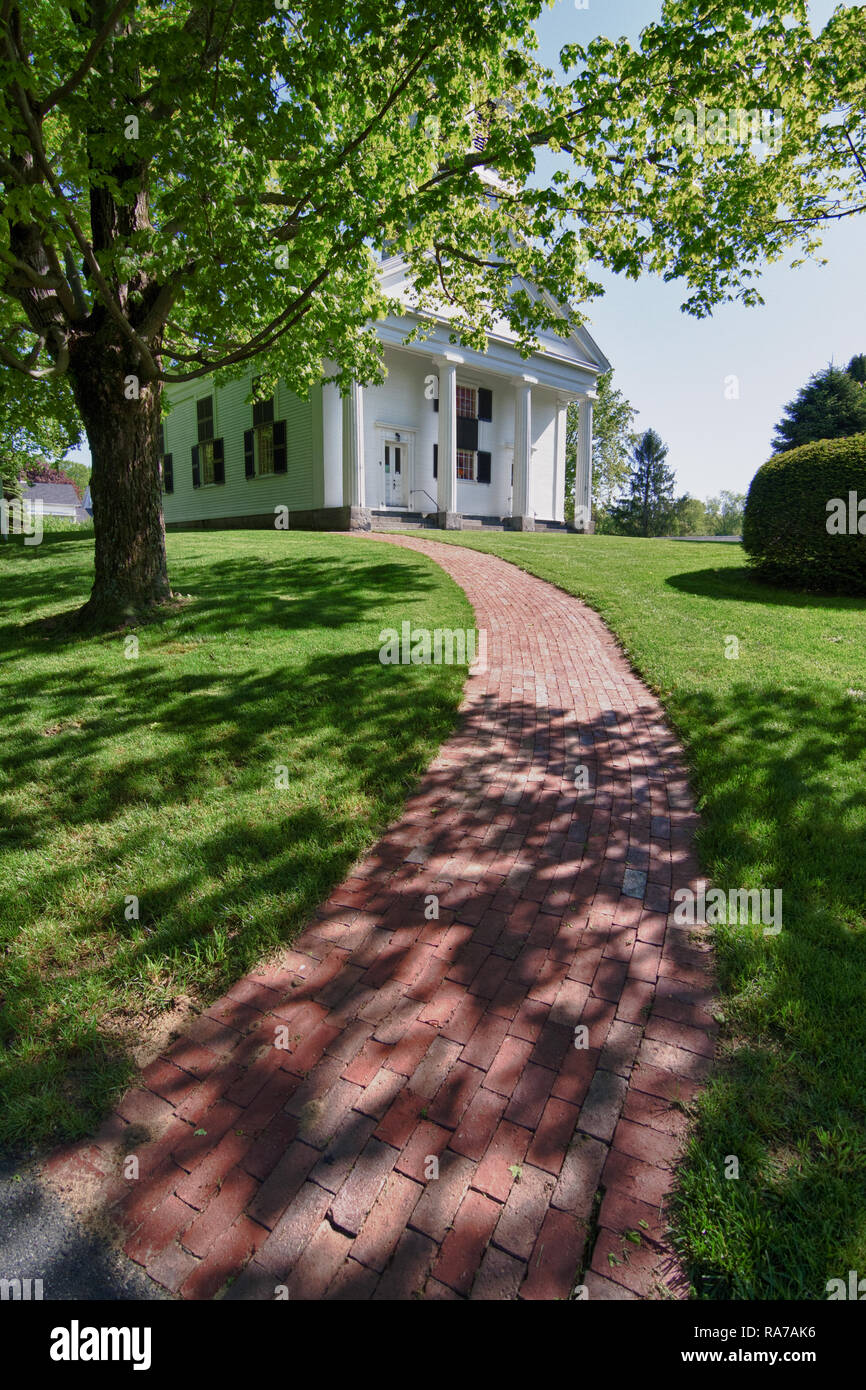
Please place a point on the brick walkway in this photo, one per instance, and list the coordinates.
(409, 1043)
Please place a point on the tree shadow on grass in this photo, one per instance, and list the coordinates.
(741, 585)
(788, 1097)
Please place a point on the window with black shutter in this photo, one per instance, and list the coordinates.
(265, 449)
(208, 456)
(167, 473)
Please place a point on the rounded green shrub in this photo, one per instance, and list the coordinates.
(804, 524)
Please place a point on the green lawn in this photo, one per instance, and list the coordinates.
(776, 745)
(154, 777)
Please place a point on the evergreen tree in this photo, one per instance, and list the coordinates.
(645, 510)
(832, 405)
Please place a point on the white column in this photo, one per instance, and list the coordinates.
(446, 491)
(332, 445)
(521, 505)
(583, 471)
(558, 512)
(353, 447)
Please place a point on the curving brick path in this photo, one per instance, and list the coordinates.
(419, 1044)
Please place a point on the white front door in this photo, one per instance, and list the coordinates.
(396, 471)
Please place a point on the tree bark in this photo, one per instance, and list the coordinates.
(121, 417)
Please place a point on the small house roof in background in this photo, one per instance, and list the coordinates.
(63, 493)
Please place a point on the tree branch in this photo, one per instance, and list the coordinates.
(87, 61)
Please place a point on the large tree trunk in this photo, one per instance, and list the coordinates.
(131, 575)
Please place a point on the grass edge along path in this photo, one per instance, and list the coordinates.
(772, 1195)
(175, 800)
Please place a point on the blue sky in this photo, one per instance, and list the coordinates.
(673, 367)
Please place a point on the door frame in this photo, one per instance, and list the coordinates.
(386, 434)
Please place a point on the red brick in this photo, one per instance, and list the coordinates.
(220, 1213)
(285, 1180)
(292, 1233)
(642, 1181)
(505, 1151)
(383, 1227)
(524, 1212)
(411, 1048)
(144, 1108)
(270, 1146)
(454, 1095)
(689, 1065)
(166, 1080)
(160, 1227)
(479, 1123)
(443, 1003)
(640, 1267)
(579, 1178)
(442, 1196)
(575, 1074)
(621, 1213)
(650, 1145)
(485, 1041)
(507, 1066)
(202, 1182)
(499, 1276)
(530, 1095)
(400, 1120)
(553, 1135)
(530, 1020)
(555, 1260)
(171, 1267)
(643, 1109)
(465, 1019)
(427, 1140)
(360, 1190)
(409, 1269)
(431, 1072)
(319, 1264)
(214, 1123)
(463, 1247)
(353, 1283)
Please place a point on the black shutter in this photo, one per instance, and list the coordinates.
(168, 473)
(219, 461)
(467, 433)
(249, 455)
(483, 467)
(485, 403)
(196, 476)
(280, 454)
(435, 460)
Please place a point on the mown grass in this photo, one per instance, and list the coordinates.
(155, 777)
(776, 742)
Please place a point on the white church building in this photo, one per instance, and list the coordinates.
(453, 435)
